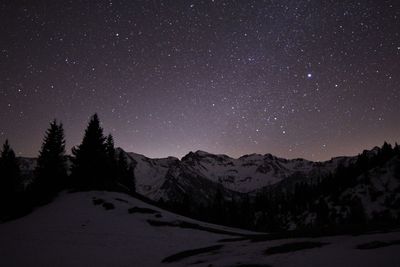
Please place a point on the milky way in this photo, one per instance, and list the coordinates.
(311, 79)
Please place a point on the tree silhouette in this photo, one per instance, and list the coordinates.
(51, 170)
(93, 163)
(111, 167)
(9, 178)
(110, 149)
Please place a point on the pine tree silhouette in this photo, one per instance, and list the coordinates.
(110, 149)
(111, 168)
(9, 179)
(90, 169)
(51, 171)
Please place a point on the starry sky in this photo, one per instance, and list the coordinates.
(295, 78)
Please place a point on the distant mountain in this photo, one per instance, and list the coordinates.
(170, 179)
(154, 177)
(201, 173)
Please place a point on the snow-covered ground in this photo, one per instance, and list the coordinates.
(73, 231)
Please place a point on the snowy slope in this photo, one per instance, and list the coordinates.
(73, 231)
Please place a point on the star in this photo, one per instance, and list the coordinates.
(209, 67)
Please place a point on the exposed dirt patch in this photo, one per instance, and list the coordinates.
(121, 200)
(296, 246)
(252, 265)
(97, 201)
(142, 210)
(188, 225)
(108, 206)
(189, 253)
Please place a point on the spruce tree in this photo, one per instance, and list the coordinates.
(9, 179)
(385, 153)
(90, 164)
(51, 170)
(110, 149)
(111, 172)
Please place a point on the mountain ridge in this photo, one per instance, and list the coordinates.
(244, 174)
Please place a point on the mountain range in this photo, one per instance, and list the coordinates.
(366, 187)
(246, 174)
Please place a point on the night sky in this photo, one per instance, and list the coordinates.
(294, 78)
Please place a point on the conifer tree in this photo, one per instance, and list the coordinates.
(111, 172)
(90, 165)
(110, 149)
(9, 178)
(51, 170)
(386, 152)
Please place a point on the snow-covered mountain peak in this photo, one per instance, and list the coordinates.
(253, 157)
(245, 174)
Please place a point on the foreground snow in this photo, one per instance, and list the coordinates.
(73, 231)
